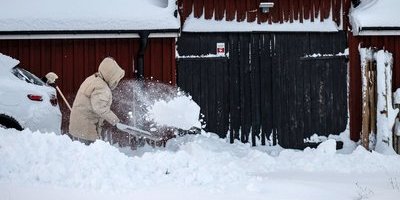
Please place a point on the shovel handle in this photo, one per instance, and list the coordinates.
(63, 97)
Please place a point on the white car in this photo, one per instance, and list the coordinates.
(25, 100)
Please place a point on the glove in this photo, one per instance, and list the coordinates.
(51, 77)
(120, 126)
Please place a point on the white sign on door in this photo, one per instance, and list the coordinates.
(221, 49)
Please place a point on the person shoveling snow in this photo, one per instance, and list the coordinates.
(93, 101)
(92, 106)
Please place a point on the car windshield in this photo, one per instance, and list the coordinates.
(26, 76)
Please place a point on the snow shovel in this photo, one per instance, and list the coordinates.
(136, 132)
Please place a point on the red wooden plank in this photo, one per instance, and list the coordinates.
(68, 65)
(241, 10)
(134, 47)
(355, 89)
(312, 11)
(100, 50)
(166, 61)
(78, 63)
(317, 8)
(346, 7)
(147, 59)
(156, 61)
(34, 53)
(24, 56)
(113, 47)
(4, 47)
(276, 14)
(396, 63)
(291, 10)
(185, 8)
(56, 62)
(45, 56)
(307, 8)
(285, 10)
(13, 48)
(295, 9)
(322, 10)
(217, 12)
(251, 10)
(221, 9)
(301, 10)
(124, 59)
(173, 61)
(91, 59)
(230, 10)
(198, 8)
(208, 9)
(337, 11)
(327, 8)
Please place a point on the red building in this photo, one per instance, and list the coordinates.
(373, 25)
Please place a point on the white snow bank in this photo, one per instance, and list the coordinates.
(181, 112)
(43, 15)
(193, 24)
(196, 161)
(375, 13)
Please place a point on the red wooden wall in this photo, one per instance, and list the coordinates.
(283, 10)
(75, 59)
(390, 43)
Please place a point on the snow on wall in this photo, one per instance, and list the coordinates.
(193, 24)
(42, 15)
(375, 13)
(386, 115)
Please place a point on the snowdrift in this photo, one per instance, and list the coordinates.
(197, 161)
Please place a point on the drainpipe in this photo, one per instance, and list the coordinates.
(144, 35)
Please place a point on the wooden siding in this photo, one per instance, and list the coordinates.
(248, 10)
(391, 44)
(74, 60)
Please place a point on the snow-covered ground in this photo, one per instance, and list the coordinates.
(36, 165)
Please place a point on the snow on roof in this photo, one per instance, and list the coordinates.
(51, 15)
(193, 24)
(376, 15)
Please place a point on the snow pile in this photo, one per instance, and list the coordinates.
(195, 161)
(181, 112)
(375, 13)
(201, 24)
(44, 15)
(7, 63)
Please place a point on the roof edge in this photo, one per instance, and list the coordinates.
(87, 34)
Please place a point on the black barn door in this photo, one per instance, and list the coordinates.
(270, 87)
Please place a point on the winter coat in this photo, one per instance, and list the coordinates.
(93, 101)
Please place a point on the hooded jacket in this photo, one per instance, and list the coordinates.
(93, 101)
